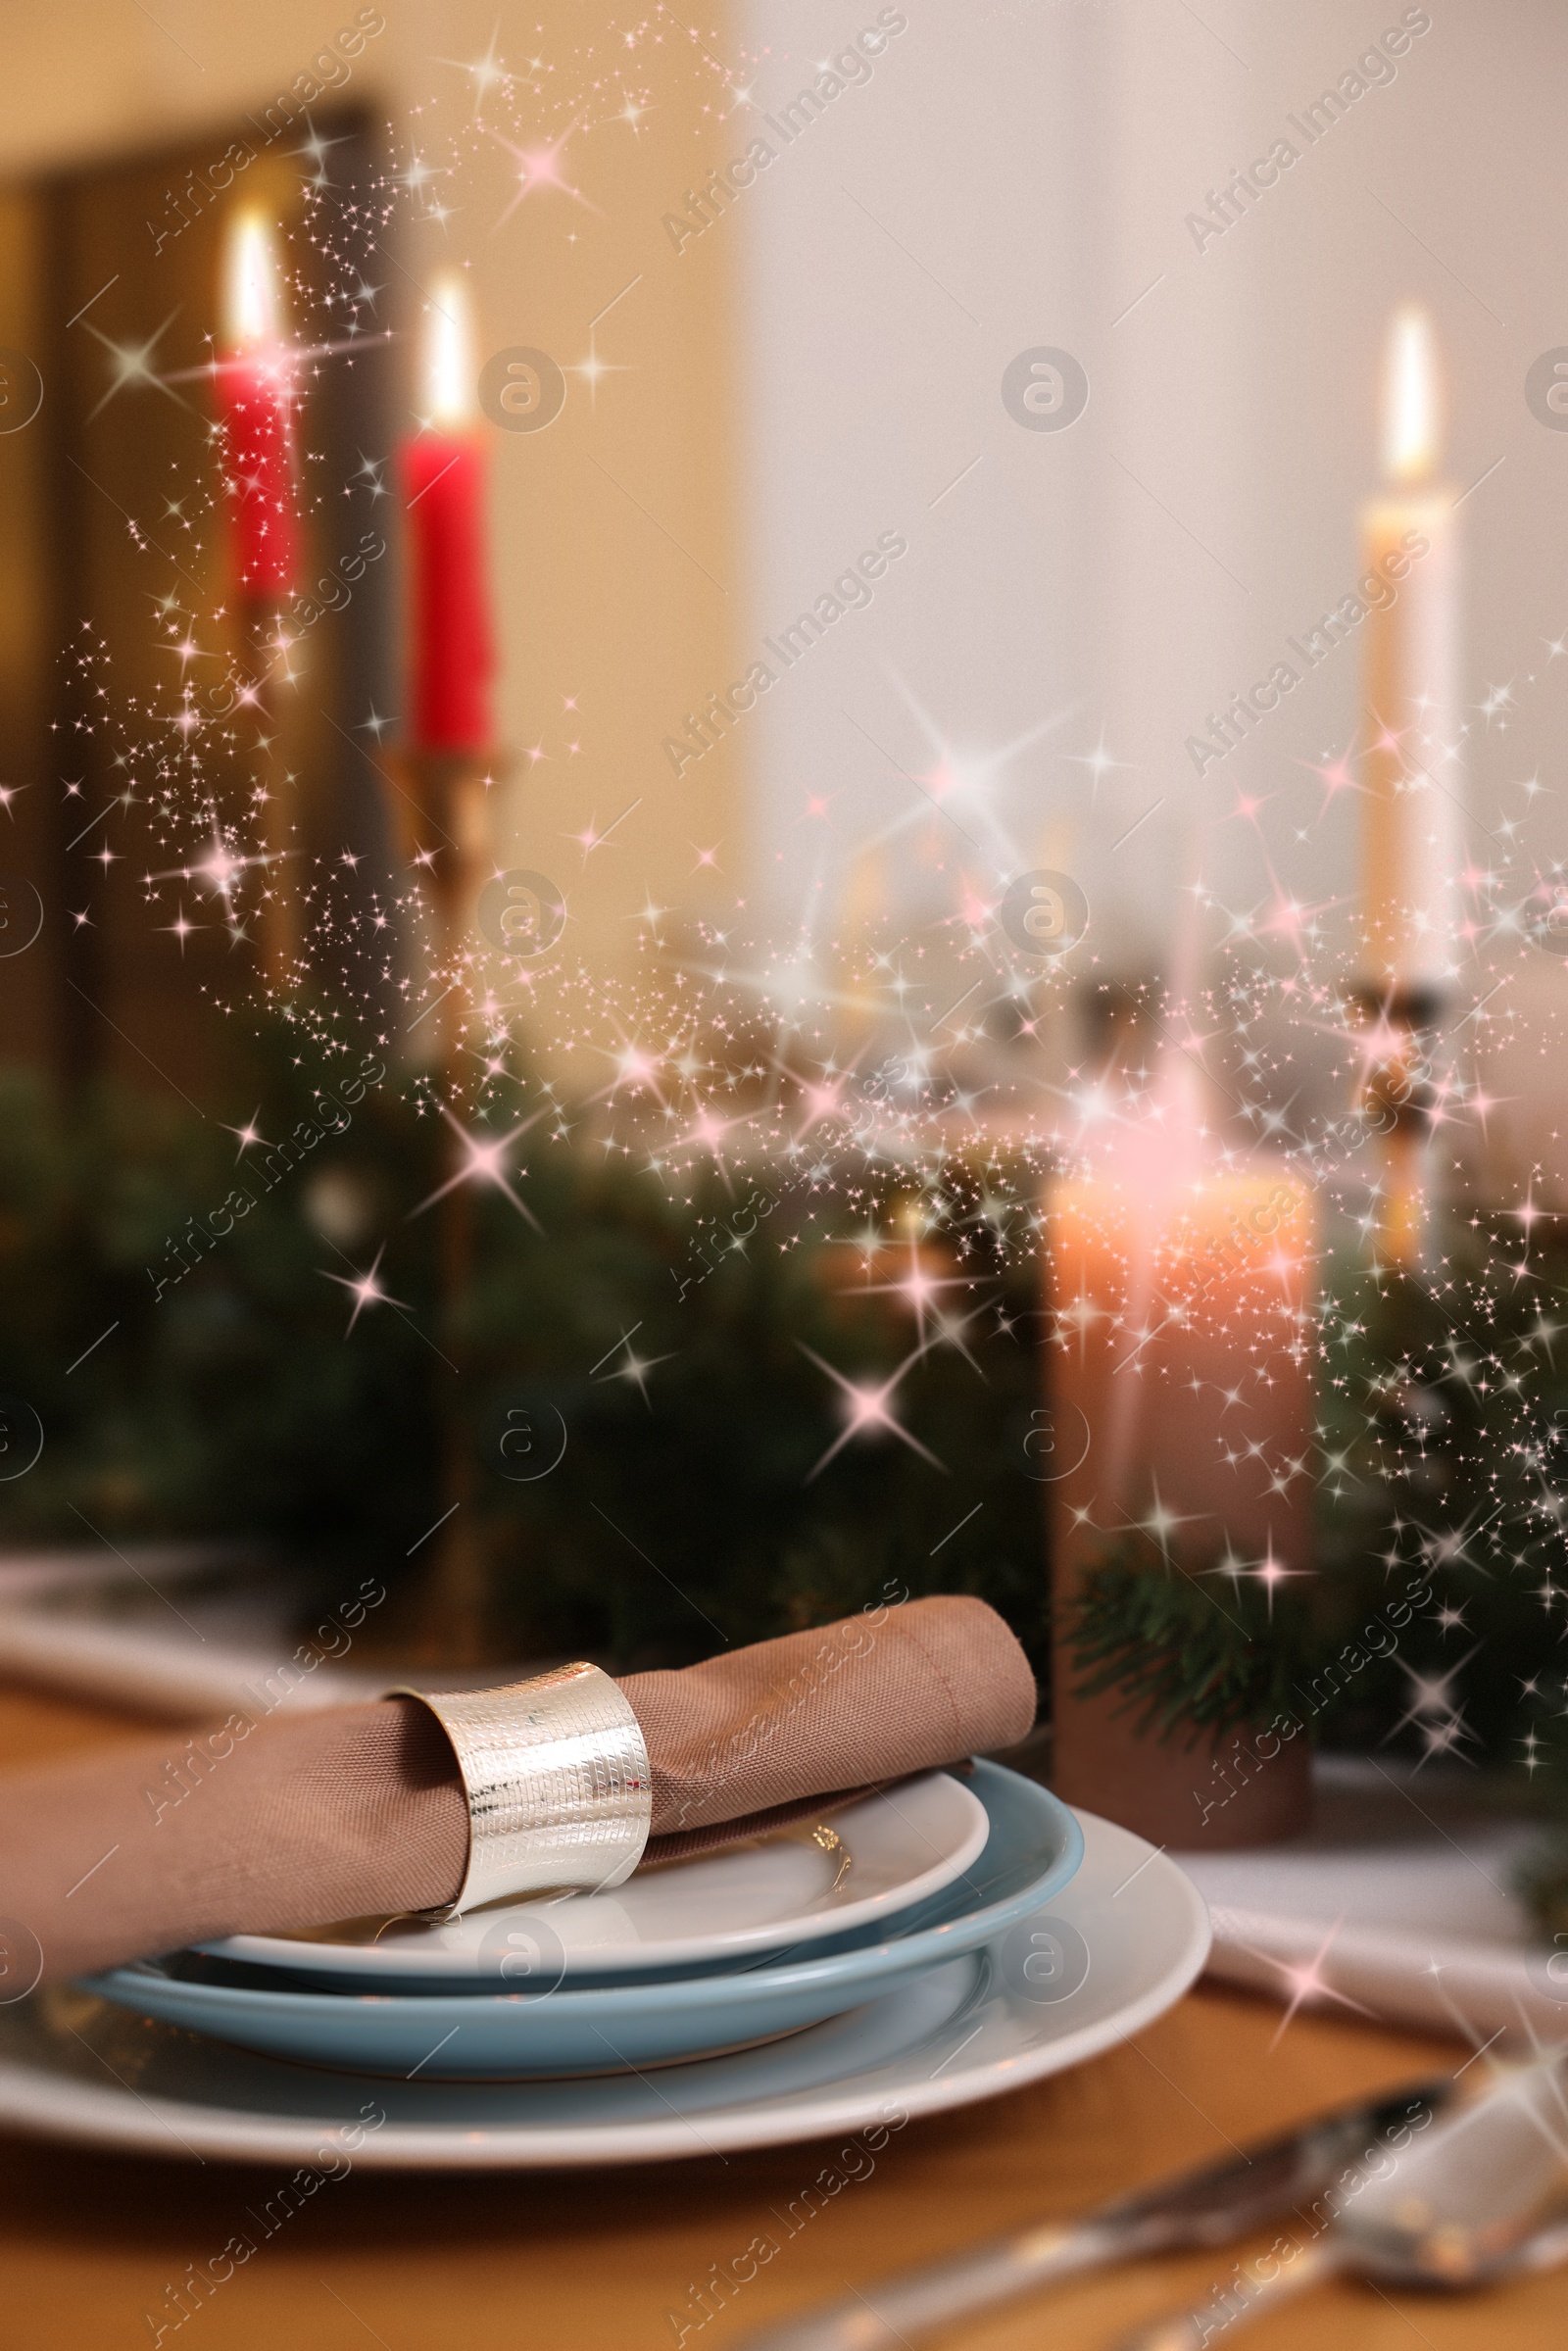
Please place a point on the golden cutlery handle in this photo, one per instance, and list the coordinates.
(1253, 2289)
(886, 2317)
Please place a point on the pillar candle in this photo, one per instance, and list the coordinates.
(257, 378)
(1181, 1402)
(1181, 1363)
(1412, 837)
(443, 487)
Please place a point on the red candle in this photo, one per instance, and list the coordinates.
(257, 414)
(443, 489)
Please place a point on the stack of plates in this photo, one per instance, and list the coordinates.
(952, 1937)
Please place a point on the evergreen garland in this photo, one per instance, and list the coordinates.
(684, 1514)
(1197, 1651)
(1443, 1409)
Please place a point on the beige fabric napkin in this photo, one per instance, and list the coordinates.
(270, 1826)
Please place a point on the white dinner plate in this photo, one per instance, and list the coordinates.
(877, 1856)
(1114, 1948)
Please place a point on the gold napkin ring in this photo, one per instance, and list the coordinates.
(556, 1780)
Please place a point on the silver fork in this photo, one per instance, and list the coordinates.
(1214, 2205)
(1479, 2198)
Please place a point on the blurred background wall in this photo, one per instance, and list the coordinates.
(1076, 600)
(821, 364)
(616, 544)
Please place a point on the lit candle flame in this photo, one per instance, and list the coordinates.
(1410, 399)
(448, 377)
(253, 302)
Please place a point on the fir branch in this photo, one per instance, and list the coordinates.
(1185, 1653)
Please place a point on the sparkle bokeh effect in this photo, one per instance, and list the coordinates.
(890, 1060)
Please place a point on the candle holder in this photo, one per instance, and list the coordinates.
(1399, 1097)
(439, 803)
(1412, 823)
(279, 922)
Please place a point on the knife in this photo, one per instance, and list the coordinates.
(1211, 2206)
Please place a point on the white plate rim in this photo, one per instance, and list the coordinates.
(366, 1959)
(45, 2106)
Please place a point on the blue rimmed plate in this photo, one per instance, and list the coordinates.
(1116, 1947)
(542, 2027)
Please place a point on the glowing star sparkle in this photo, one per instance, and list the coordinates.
(1307, 1980)
(131, 364)
(1159, 1524)
(592, 368)
(591, 838)
(540, 167)
(248, 1133)
(486, 72)
(181, 928)
(1432, 1707)
(364, 1289)
(484, 1162)
(919, 1291)
(635, 1368)
(868, 1412)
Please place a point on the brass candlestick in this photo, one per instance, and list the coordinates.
(279, 907)
(1399, 1097)
(440, 809)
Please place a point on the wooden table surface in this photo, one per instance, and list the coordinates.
(598, 2261)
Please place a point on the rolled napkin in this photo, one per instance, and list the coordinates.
(272, 1825)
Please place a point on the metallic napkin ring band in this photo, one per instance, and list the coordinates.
(556, 1779)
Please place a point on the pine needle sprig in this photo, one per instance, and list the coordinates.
(1189, 1651)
